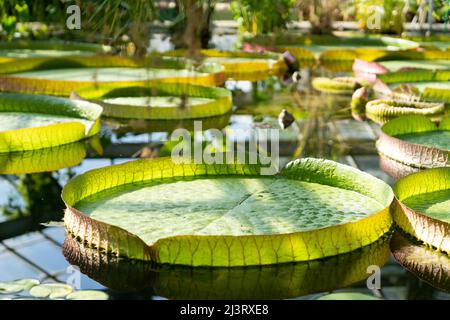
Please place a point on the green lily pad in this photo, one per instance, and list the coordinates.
(421, 75)
(17, 285)
(240, 65)
(61, 76)
(107, 74)
(243, 219)
(395, 65)
(341, 85)
(422, 206)
(159, 101)
(416, 141)
(30, 122)
(383, 110)
(87, 295)
(51, 290)
(30, 53)
(435, 139)
(27, 49)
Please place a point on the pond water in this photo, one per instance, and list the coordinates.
(324, 129)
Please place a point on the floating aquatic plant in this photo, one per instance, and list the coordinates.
(244, 219)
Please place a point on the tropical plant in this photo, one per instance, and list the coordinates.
(116, 20)
(262, 16)
(191, 28)
(320, 13)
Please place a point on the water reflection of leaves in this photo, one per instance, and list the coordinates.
(266, 282)
(42, 160)
(138, 126)
(424, 262)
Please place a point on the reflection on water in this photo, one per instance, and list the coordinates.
(30, 187)
(423, 262)
(40, 201)
(267, 282)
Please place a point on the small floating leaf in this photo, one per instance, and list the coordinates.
(88, 295)
(51, 290)
(17, 285)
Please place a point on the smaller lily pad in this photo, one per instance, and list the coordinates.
(241, 65)
(51, 290)
(88, 295)
(161, 101)
(383, 110)
(32, 122)
(17, 285)
(339, 85)
(422, 206)
(416, 141)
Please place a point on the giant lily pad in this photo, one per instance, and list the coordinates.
(424, 262)
(30, 122)
(61, 76)
(160, 101)
(281, 281)
(238, 65)
(416, 141)
(422, 206)
(312, 209)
